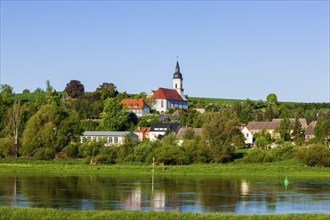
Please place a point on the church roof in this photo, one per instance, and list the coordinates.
(177, 73)
(170, 94)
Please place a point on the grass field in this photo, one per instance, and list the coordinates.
(7, 213)
(281, 169)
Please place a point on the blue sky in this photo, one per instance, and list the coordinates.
(226, 49)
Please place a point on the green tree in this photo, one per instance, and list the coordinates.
(298, 132)
(114, 116)
(49, 91)
(6, 92)
(221, 135)
(262, 139)
(322, 130)
(271, 99)
(13, 124)
(126, 150)
(51, 127)
(107, 90)
(148, 120)
(39, 97)
(284, 129)
(75, 89)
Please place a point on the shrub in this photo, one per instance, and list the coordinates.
(45, 153)
(142, 151)
(6, 146)
(256, 155)
(314, 155)
(89, 149)
(282, 152)
(71, 150)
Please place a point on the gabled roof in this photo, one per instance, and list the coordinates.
(182, 131)
(174, 127)
(142, 130)
(310, 128)
(170, 94)
(105, 133)
(133, 103)
(275, 123)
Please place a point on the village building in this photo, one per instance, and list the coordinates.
(182, 132)
(270, 126)
(108, 137)
(158, 130)
(137, 106)
(309, 132)
(142, 133)
(165, 99)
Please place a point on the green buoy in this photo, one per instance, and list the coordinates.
(286, 182)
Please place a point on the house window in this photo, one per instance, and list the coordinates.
(116, 140)
(162, 103)
(176, 85)
(247, 134)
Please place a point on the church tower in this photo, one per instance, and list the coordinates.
(178, 80)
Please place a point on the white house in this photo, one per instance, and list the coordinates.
(137, 106)
(248, 136)
(109, 137)
(270, 126)
(170, 98)
(158, 130)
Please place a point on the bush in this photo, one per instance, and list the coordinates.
(89, 149)
(282, 152)
(71, 150)
(45, 153)
(314, 155)
(142, 151)
(6, 146)
(256, 155)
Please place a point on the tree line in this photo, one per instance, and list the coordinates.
(49, 123)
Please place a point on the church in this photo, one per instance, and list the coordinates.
(165, 99)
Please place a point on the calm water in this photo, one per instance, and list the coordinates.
(244, 196)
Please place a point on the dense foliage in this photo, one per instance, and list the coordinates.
(45, 124)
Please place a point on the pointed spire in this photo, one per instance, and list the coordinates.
(177, 68)
(177, 73)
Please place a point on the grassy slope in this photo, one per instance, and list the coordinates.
(41, 214)
(281, 169)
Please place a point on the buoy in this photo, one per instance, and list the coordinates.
(286, 182)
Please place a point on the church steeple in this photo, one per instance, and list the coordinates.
(178, 80)
(177, 73)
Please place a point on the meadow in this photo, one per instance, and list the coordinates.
(43, 214)
(290, 168)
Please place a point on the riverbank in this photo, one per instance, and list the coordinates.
(22, 166)
(9, 213)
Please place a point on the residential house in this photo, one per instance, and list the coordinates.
(182, 131)
(142, 133)
(108, 137)
(247, 135)
(137, 106)
(309, 132)
(270, 126)
(165, 99)
(158, 130)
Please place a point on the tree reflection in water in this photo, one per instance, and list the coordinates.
(162, 193)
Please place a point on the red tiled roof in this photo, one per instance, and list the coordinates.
(170, 94)
(143, 129)
(133, 103)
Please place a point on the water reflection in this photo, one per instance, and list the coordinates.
(164, 193)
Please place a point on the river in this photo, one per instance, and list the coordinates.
(203, 195)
